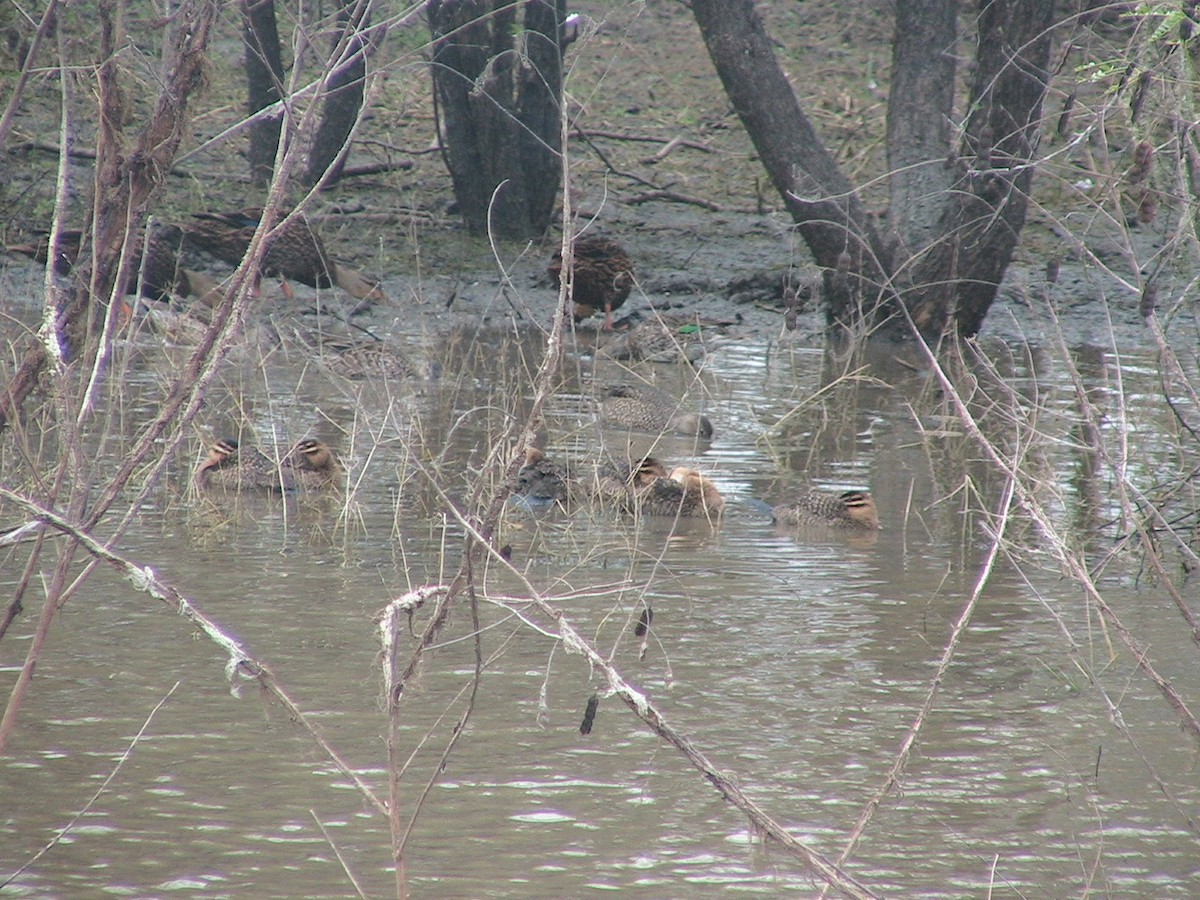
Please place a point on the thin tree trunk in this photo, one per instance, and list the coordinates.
(822, 201)
(870, 285)
(264, 81)
(344, 99)
(982, 221)
(125, 185)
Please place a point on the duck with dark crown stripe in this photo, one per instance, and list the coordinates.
(603, 277)
(850, 510)
(313, 465)
(234, 467)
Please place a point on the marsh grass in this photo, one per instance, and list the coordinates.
(441, 451)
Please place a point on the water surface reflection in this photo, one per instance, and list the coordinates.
(797, 664)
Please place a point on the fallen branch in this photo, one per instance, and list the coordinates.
(673, 197)
(644, 139)
(831, 873)
(240, 663)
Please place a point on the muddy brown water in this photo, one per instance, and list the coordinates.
(795, 663)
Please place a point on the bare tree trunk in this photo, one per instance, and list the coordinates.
(985, 212)
(498, 90)
(264, 80)
(962, 223)
(920, 106)
(344, 99)
(822, 201)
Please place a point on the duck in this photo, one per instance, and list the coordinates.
(296, 252)
(361, 360)
(666, 338)
(684, 492)
(542, 479)
(646, 408)
(603, 277)
(232, 467)
(650, 488)
(849, 510)
(158, 268)
(619, 484)
(313, 465)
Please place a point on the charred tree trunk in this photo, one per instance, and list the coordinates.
(264, 79)
(955, 233)
(344, 99)
(498, 90)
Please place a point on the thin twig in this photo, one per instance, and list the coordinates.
(239, 661)
(66, 829)
(956, 633)
(338, 853)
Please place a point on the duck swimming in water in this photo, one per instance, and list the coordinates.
(232, 467)
(646, 408)
(542, 479)
(850, 510)
(313, 465)
(651, 489)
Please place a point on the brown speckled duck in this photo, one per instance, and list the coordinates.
(667, 338)
(160, 271)
(231, 467)
(313, 464)
(363, 360)
(650, 488)
(296, 251)
(850, 510)
(603, 277)
(684, 493)
(646, 408)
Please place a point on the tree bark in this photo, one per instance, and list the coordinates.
(920, 107)
(962, 222)
(498, 91)
(344, 99)
(820, 198)
(264, 80)
(985, 212)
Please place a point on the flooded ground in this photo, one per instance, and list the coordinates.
(795, 662)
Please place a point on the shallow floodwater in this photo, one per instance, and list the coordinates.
(794, 662)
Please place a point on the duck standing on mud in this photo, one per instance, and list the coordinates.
(155, 265)
(296, 252)
(603, 277)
